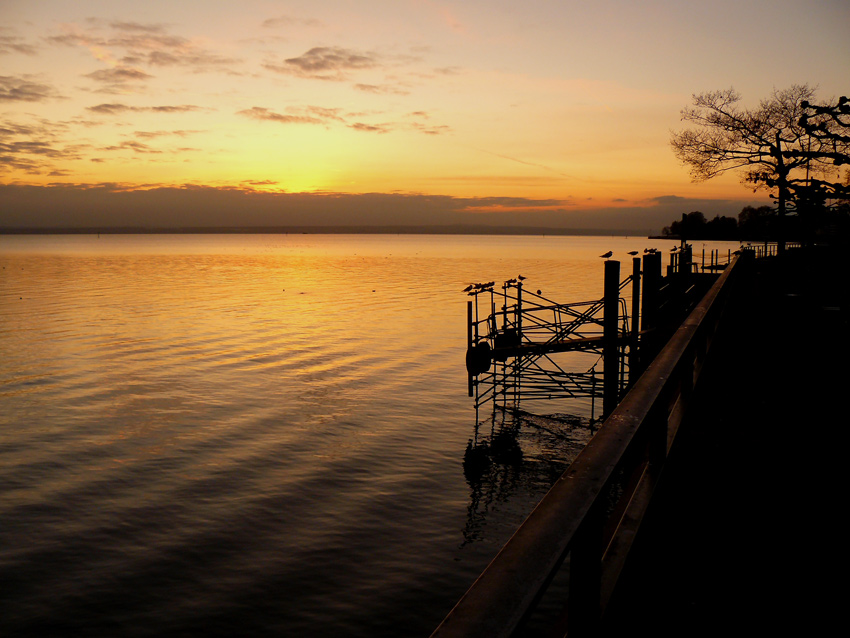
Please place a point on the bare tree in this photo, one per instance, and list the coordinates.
(782, 144)
(829, 124)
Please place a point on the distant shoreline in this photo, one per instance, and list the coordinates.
(328, 230)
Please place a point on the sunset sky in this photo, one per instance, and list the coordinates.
(555, 112)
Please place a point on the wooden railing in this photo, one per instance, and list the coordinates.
(587, 521)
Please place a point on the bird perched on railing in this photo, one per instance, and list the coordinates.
(479, 287)
(607, 255)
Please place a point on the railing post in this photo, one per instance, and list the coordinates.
(584, 609)
(610, 329)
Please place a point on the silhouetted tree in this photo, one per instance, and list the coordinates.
(825, 205)
(774, 145)
(689, 227)
(694, 226)
(721, 228)
(756, 223)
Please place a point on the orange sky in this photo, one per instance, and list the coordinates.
(563, 104)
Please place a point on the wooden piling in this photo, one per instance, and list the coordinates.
(650, 302)
(610, 326)
(634, 352)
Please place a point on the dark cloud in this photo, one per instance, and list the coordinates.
(371, 128)
(324, 112)
(137, 43)
(22, 89)
(431, 130)
(33, 148)
(289, 21)
(110, 109)
(326, 63)
(129, 145)
(294, 115)
(137, 26)
(116, 109)
(155, 134)
(118, 76)
(111, 205)
(664, 200)
(381, 89)
(260, 113)
(183, 108)
(330, 116)
(14, 44)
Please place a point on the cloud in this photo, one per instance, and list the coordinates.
(251, 205)
(155, 134)
(118, 74)
(135, 43)
(330, 116)
(33, 148)
(326, 63)
(664, 200)
(288, 21)
(137, 26)
(118, 79)
(137, 147)
(381, 89)
(260, 113)
(371, 128)
(22, 89)
(14, 44)
(115, 109)
(431, 130)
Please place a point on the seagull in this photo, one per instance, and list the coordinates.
(469, 287)
(633, 253)
(606, 255)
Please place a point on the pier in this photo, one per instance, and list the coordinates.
(708, 501)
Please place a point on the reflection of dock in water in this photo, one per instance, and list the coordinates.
(517, 453)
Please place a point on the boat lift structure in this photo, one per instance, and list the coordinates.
(516, 337)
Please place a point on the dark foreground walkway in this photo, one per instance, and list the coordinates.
(747, 535)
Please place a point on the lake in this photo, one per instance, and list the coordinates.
(258, 434)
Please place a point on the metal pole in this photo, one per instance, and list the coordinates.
(518, 361)
(469, 337)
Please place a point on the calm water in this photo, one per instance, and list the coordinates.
(212, 435)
